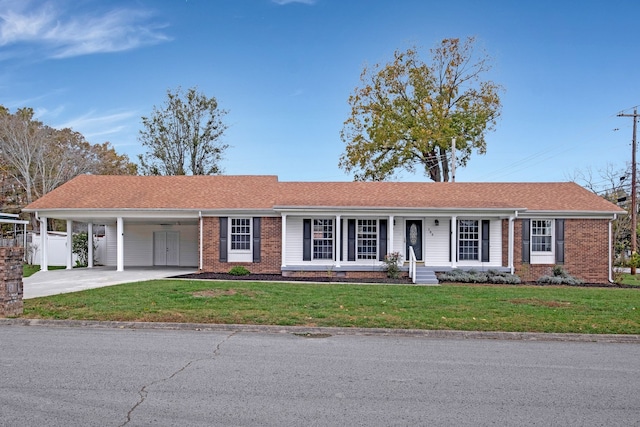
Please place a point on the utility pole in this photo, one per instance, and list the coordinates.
(634, 205)
(453, 160)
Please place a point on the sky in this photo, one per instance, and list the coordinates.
(284, 70)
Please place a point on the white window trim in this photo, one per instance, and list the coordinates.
(479, 240)
(376, 240)
(240, 255)
(542, 257)
(332, 239)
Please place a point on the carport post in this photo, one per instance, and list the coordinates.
(44, 250)
(69, 244)
(90, 245)
(120, 244)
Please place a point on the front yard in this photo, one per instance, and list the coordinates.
(454, 307)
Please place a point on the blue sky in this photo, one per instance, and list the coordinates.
(285, 68)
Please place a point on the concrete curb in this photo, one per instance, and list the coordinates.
(311, 332)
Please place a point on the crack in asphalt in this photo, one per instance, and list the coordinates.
(143, 392)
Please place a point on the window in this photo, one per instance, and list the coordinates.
(541, 233)
(322, 239)
(468, 240)
(367, 239)
(240, 234)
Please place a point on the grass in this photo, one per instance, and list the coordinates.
(453, 307)
(30, 269)
(629, 279)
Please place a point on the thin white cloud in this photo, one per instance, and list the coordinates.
(92, 125)
(65, 34)
(284, 2)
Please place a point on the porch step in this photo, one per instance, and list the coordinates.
(426, 276)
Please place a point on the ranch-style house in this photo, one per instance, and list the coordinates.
(338, 228)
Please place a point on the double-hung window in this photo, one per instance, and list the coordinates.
(240, 234)
(367, 239)
(468, 240)
(322, 239)
(541, 235)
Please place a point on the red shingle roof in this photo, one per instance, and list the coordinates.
(266, 192)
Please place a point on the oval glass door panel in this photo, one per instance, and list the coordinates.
(413, 234)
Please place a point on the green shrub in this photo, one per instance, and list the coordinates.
(559, 277)
(391, 264)
(239, 270)
(80, 247)
(472, 276)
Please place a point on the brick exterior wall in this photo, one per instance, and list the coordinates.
(586, 252)
(11, 290)
(270, 248)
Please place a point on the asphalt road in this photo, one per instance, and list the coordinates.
(61, 376)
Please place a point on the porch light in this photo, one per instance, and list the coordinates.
(436, 222)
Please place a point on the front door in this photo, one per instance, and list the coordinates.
(414, 237)
(165, 248)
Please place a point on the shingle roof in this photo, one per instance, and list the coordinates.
(266, 192)
(161, 192)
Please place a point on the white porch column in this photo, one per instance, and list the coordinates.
(120, 244)
(284, 240)
(338, 250)
(44, 250)
(90, 245)
(511, 244)
(454, 240)
(69, 245)
(390, 231)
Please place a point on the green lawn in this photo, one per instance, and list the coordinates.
(455, 307)
(632, 280)
(29, 269)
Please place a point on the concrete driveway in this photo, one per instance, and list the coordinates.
(53, 282)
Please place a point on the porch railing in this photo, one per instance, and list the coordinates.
(413, 266)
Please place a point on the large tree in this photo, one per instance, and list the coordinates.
(405, 113)
(184, 137)
(38, 158)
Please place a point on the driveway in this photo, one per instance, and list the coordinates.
(53, 282)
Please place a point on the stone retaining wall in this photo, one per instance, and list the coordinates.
(11, 290)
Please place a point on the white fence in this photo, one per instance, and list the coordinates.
(57, 249)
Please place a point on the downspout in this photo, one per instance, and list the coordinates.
(201, 234)
(610, 241)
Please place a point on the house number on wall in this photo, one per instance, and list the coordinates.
(413, 234)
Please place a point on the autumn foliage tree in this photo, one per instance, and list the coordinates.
(36, 158)
(405, 113)
(184, 137)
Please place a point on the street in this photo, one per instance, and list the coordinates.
(63, 376)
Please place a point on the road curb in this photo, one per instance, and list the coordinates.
(306, 331)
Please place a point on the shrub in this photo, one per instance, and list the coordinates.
(391, 261)
(80, 247)
(239, 270)
(559, 277)
(472, 276)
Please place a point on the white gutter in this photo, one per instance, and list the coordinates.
(610, 241)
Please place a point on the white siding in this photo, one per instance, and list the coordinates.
(398, 237)
(138, 244)
(437, 241)
(495, 247)
(111, 244)
(495, 243)
(294, 241)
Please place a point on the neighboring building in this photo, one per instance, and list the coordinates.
(343, 228)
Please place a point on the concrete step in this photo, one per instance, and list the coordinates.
(426, 276)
